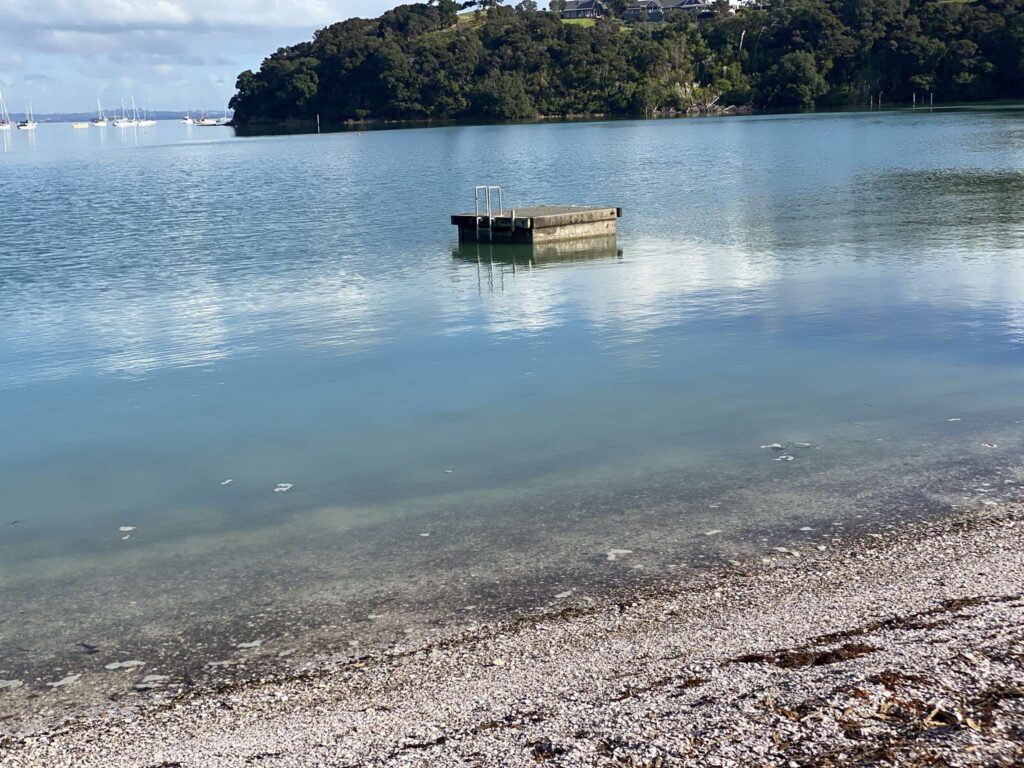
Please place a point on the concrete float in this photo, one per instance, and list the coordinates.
(536, 224)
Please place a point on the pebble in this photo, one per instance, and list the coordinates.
(558, 677)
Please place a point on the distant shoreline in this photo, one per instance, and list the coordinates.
(882, 647)
(300, 127)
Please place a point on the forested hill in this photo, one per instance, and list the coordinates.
(427, 61)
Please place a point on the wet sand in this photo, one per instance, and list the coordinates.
(902, 647)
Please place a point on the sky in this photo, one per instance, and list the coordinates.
(64, 54)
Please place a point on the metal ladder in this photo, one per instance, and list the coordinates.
(486, 199)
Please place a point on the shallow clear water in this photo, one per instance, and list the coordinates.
(178, 309)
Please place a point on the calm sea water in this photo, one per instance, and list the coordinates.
(188, 319)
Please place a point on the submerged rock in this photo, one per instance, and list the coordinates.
(69, 680)
(132, 664)
(149, 682)
(615, 554)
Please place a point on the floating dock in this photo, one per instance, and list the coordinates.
(534, 224)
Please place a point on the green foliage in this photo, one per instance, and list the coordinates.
(429, 61)
(795, 81)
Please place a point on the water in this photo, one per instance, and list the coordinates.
(468, 433)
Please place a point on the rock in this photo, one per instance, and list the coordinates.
(10, 684)
(253, 644)
(69, 680)
(615, 554)
(563, 595)
(125, 664)
(712, 532)
(149, 682)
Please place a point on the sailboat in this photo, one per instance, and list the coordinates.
(5, 118)
(205, 121)
(147, 117)
(187, 119)
(100, 121)
(28, 124)
(224, 120)
(123, 121)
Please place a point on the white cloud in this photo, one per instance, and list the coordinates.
(118, 15)
(91, 47)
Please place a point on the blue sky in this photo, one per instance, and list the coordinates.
(62, 54)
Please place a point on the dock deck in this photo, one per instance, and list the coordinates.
(538, 224)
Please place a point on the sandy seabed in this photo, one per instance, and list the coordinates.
(887, 648)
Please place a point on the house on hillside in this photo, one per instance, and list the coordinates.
(690, 6)
(644, 10)
(584, 9)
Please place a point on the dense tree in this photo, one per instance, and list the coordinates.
(425, 61)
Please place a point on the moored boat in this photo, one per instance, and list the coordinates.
(100, 121)
(5, 118)
(29, 123)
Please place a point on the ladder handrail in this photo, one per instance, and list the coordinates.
(487, 202)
